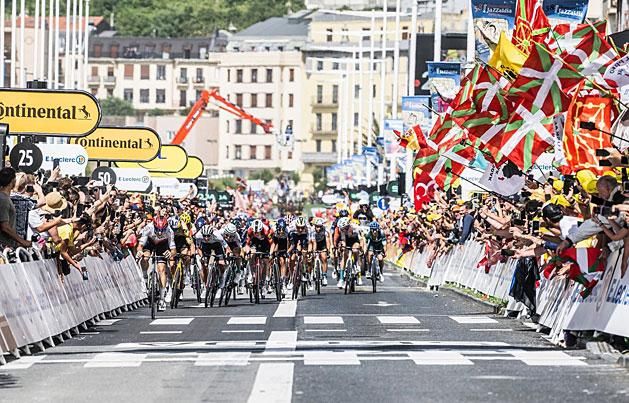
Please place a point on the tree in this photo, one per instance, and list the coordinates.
(157, 112)
(113, 106)
(319, 178)
(265, 175)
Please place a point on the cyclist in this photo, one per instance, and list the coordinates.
(234, 243)
(301, 240)
(347, 235)
(363, 214)
(184, 246)
(158, 238)
(279, 249)
(335, 253)
(376, 241)
(322, 245)
(258, 240)
(210, 242)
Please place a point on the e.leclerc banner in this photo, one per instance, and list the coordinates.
(132, 144)
(51, 113)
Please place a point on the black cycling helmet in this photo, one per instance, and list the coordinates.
(552, 212)
(343, 213)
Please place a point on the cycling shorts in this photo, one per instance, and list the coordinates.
(215, 248)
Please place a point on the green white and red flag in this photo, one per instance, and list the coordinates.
(530, 23)
(489, 92)
(566, 37)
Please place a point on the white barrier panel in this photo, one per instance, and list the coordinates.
(38, 305)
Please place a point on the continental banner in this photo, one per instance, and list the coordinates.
(171, 159)
(132, 144)
(49, 113)
(193, 169)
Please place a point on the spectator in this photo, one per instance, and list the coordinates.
(466, 223)
(8, 235)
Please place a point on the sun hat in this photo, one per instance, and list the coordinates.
(55, 202)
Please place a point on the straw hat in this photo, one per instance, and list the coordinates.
(54, 203)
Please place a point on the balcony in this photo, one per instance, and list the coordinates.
(324, 103)
(109, 81)
(319, 158)
(199, 81)
(93, 81)
(182, 81)
(325, 131)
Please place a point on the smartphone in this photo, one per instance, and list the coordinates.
(625, 187)
(601, 152)
(55, 163)
(568, 184)
(507, 252)
(518, 222)
(30, 189)
(535, 228)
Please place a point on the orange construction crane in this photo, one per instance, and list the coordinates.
(201, 104)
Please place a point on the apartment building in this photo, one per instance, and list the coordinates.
(154, 73)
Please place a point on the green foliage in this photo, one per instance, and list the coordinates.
(157, 112)
(320, 181)
(265, 174)
(113, 106)
(295, 177)
(222, 183)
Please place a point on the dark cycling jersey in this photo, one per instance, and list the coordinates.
(376, 242)
(280, 240)
(321, 238)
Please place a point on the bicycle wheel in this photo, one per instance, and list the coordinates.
(348, 276)
(214, 287)
(277, 282)
(196, 282)
(296, 281)
(374, 273)
(317, 275)
(229, 285)
(257, 283)
(152, 293)
(176, 287)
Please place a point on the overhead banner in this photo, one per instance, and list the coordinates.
(133, 144)
(491, 17)
(133, 179)
(72, 158)
(391, 145)
(49, 113)
(415, 111)
(193, 169)
(171, 159)
(566, 10)
(445, 80)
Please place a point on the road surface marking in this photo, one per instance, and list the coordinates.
(323, 320)
(163, 332)
(247, 320)
(286, 309)
(24, 362)
(382, 304)
(398, 320)
(89, 333)
(242, 331)
(115, 360)
(220, 359)
(281, 342)
(326, 330)
(331, 358)
(439, 358)
(107, 322)
(491, 330)
(273, 383)
(473, 319)
(172, 321)
(550, 358)
(408, 330)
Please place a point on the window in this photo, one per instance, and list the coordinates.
(269, 75)
(335, 94)
(227, 152)
(198, 93)
(113, 50)
(344, 35)
(269, 100)
(98, 50)
(239, 99)
(128, 71)
(144, 96)
(144, 72)
(335, 66)
(373, 91)
(238, 129)
(199, 76)
(356, 91)
(110, 71)
(238, 152)
(291, 100)
(356, 122)
(290, 155)
(366, 35)
(253, 129)
(405, 34)
(268, 152)
(252, 152)
(291, 75)
(318, 143)
(254, 100)
(319, 122)
(334, 121)
(320, 65)
(229, 75)
(333, 146)
(319, 94)
(110, 92)
(254, 75)
(160, 96)
(186, 53)
(128, 94)
(183, 102)
(161, 72)
(183, 75)
(328, 35)
(239, 75)
(94, 71)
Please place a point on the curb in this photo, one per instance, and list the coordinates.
(608, 353)
(404, 272)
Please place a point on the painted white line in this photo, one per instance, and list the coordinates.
(547, 358)
(407, 330)
(115, 360)
(89, 333)
(326, 330)
(163, 332)
(473, 319)
(242, 331)
(323, 320)
(331, 358)
(247, 320)
(281, 342)
(220, 359)
(172, 321)
(286, 309)
(107, 322)
(491, 330)
(24, 362)
(398, 320)
(439, 358)
(273, 383)
(388, 274)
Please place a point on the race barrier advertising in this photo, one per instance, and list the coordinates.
(558, 301)
(36, 305)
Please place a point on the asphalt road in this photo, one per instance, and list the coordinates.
(403, 344)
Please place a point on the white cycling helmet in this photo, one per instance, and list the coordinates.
(257, 226)
(300, 222)
(343, 223)
(174, 222)
(207, 230)
(319, 222)
(230, 229)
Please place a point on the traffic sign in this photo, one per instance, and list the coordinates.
(374, 197)
(134, 144)
(383, 203)
(50, 113)
(106, 175)
(26, 157)
(393, 188)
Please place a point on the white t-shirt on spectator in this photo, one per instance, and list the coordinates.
(35, 219)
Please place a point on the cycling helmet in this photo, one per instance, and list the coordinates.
(174, 223)
(363, 203)
(160, 224)
(207, 230)
(343, 223)
(280, 225)
(257, 226)
(300, 222)
(343, 213)
(185, 218)
(374, 226)
(552, 212)
(230, 229)
(319, 222)
(200, 223)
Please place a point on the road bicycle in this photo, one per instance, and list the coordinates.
(229, 285)
(276, 278)
(351, 272)
(152, 285)
(317, 272)
(374, 270)
(258, 276)
(211, 282)
(195, 278)
(177, 283)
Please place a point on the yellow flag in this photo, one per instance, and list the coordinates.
(507, 58)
